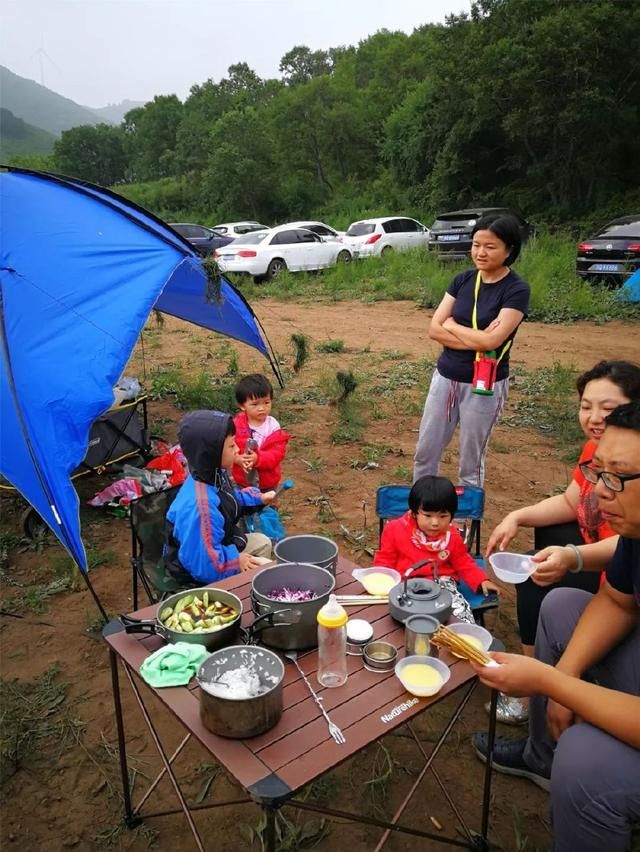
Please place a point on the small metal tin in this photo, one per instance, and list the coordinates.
(418, 630)
(359, 634)
(380, 657)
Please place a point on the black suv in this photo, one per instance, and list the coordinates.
(204, 240)
(450, 234)
(613, 253)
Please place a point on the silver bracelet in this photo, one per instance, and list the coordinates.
(579, 557)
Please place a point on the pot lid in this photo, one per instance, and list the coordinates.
(418, 589)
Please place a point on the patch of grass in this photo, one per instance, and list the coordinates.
(301, 351)
(331, 346)
(36, 598)
(547, 263)
(35, 723)
(403, 473)
(350, 426)
(200, 391)
(547, 403)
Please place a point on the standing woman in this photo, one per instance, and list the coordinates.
(477, 318)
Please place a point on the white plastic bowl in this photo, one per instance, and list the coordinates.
(360, 574)
(463, 629)
(512, 567)
(423, 692)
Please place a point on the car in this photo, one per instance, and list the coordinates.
(264, 254)
(370, 237)
(204, 240)
(319, 228)
(613, 253)
(450, 234)
(236, 229)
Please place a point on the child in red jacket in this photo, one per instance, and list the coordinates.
(425, 532)
(259, 463)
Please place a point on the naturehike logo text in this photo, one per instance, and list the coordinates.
(401, 708)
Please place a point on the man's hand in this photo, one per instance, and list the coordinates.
(487, 586)
(516, 675)
(553, 563)
(268, 498)
(502, 535)
(558, 719)
(247, 561)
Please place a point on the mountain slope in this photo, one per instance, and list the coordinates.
(114, 113)
(19, 138)
(41, 107)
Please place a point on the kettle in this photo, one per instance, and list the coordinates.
(419, 596)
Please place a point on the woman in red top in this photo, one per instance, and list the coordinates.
(426, 532)
(601, 389)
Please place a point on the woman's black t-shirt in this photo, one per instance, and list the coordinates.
(510, 292)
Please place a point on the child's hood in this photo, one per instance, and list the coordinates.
(201, 435)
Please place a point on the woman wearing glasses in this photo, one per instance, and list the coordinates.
(576, 565)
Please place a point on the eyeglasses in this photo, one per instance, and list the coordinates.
(612, 481)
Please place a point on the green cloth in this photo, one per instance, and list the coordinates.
(174, 665)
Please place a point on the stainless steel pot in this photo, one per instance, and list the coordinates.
(296, 575)
(231, 633)
(308, 550)
(238, 718)
(213, 640)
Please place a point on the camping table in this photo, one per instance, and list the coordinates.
(274, 767)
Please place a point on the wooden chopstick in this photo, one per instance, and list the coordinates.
(457, 644)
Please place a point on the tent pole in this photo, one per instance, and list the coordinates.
(94, 595)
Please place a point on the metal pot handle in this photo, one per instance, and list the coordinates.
(279, 618)
(256, 605)
(138, 625)
(409, 572)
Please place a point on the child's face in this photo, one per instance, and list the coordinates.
(229, 450)
(257, 408)
(433, 523)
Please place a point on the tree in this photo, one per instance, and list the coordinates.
(93, 153)
(151, 135)
(302, 64)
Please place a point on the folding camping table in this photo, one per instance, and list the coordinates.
(274, 767)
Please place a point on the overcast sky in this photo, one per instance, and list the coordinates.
(104, 51)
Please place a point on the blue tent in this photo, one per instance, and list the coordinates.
(80, 270)
(630, 290)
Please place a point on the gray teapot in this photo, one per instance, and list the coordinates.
(419, 596)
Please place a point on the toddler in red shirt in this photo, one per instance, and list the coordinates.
(426, 531)
(262, 443)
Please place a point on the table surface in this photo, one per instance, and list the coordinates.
(299, 749)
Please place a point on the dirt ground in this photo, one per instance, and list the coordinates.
(64, 792)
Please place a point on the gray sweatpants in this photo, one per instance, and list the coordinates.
(449, 403)
(595, 778)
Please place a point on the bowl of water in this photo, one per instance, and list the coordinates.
(377, 580)
(473, 633)
(512, 567)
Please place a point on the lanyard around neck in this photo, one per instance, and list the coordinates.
(474, 320)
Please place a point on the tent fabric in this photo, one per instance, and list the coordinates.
(80, 270)
(630, 290)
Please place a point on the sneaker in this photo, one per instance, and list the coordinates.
(510, 711)
(508, 758)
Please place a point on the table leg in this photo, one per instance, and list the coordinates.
(129, 818)
(270, 833)
(486, 799)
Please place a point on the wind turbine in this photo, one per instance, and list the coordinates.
(42, 54)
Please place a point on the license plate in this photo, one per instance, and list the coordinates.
(448, 238)
(228, 257)
(605, 267)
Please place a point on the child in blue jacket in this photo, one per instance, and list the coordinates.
(206, 541)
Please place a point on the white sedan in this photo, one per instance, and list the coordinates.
(264, 254)
(370, 237)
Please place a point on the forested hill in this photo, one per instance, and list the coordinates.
(534, 103)
(39, 106)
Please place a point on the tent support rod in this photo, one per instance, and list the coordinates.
(94, 595)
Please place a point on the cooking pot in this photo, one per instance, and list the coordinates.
(308, 550)
(419, 596)
(291, 575)
(241, 717)
(212, 640)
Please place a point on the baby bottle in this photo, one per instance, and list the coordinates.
(332, 644)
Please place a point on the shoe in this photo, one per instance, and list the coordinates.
(510, 711)
(508, 758)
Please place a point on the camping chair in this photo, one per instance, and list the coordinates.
(392, 501)
(148, 519)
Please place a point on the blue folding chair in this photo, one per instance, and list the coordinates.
(392, 501)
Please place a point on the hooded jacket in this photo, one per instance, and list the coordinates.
(270, 454)
(204, 538)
